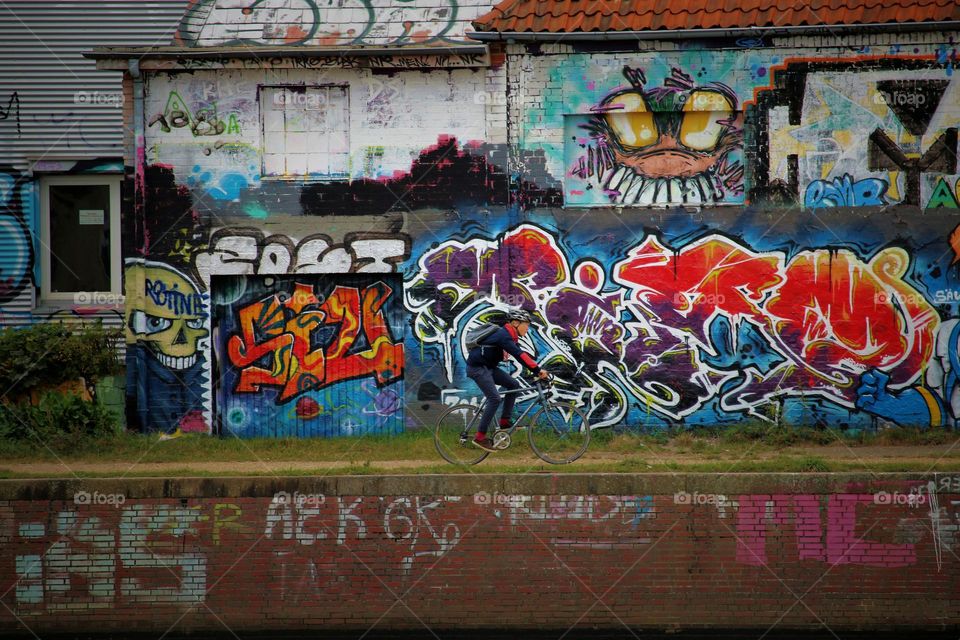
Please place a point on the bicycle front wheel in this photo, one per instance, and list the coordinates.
(559, 432)
(454, 433)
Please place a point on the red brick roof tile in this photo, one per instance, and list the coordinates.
(566, 16)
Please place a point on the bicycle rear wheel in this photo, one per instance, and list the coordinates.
(454, 433)
(559, 432)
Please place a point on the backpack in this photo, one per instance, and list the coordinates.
(479, 333)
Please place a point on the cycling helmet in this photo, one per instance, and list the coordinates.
(519, 314)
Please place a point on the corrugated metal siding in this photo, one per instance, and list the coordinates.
(308, 355)
(42, 69)
(56, 105)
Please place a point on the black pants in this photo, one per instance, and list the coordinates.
(488, 379)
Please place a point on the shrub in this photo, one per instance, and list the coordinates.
(47, 355)
(58, 422)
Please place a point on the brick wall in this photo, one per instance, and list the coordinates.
(432, 552)
(792, 262)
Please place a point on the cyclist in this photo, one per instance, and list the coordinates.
(483, 368)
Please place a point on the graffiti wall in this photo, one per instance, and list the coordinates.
(863, 131)
(167, 333)
(18, 229)
(89, 560)
(309, 356)
(805, 301)
(312, 23)
(705, 237)
(290, 175)
(244, 145)
(698, 325)
(826, 128)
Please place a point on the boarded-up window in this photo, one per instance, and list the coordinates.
(306, 132)
(80, 233)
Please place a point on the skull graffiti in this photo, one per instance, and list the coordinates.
(164, 314)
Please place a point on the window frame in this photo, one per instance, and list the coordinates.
(262, 91)
(116, 271)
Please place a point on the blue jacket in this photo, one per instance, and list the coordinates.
(490, 352)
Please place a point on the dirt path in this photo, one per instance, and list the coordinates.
(917, 456)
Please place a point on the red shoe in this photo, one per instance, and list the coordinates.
(483, 442)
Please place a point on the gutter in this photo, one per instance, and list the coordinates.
(678, 34)
(169, 53)
(139, 146)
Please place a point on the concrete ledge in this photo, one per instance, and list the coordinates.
(438, 484)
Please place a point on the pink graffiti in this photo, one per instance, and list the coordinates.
(842, 544)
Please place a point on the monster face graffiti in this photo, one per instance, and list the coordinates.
(669, 144)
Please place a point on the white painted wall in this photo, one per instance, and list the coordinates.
(393, 118)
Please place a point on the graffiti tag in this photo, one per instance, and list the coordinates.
(284, 330)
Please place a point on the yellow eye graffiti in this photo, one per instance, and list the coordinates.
(702, 124)
(632, 124)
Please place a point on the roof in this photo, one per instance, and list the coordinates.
(584, 16)
(276, 23)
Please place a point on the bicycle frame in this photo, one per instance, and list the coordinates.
(539, 401)
(547, 429)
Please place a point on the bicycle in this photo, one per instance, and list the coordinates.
(558, 431)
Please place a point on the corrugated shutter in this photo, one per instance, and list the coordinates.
(43, 72)
(308, 355)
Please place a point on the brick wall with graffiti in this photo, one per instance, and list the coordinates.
(864, 553)
(755, 232)
(794, 256)
(262, 281)
(815, 127)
